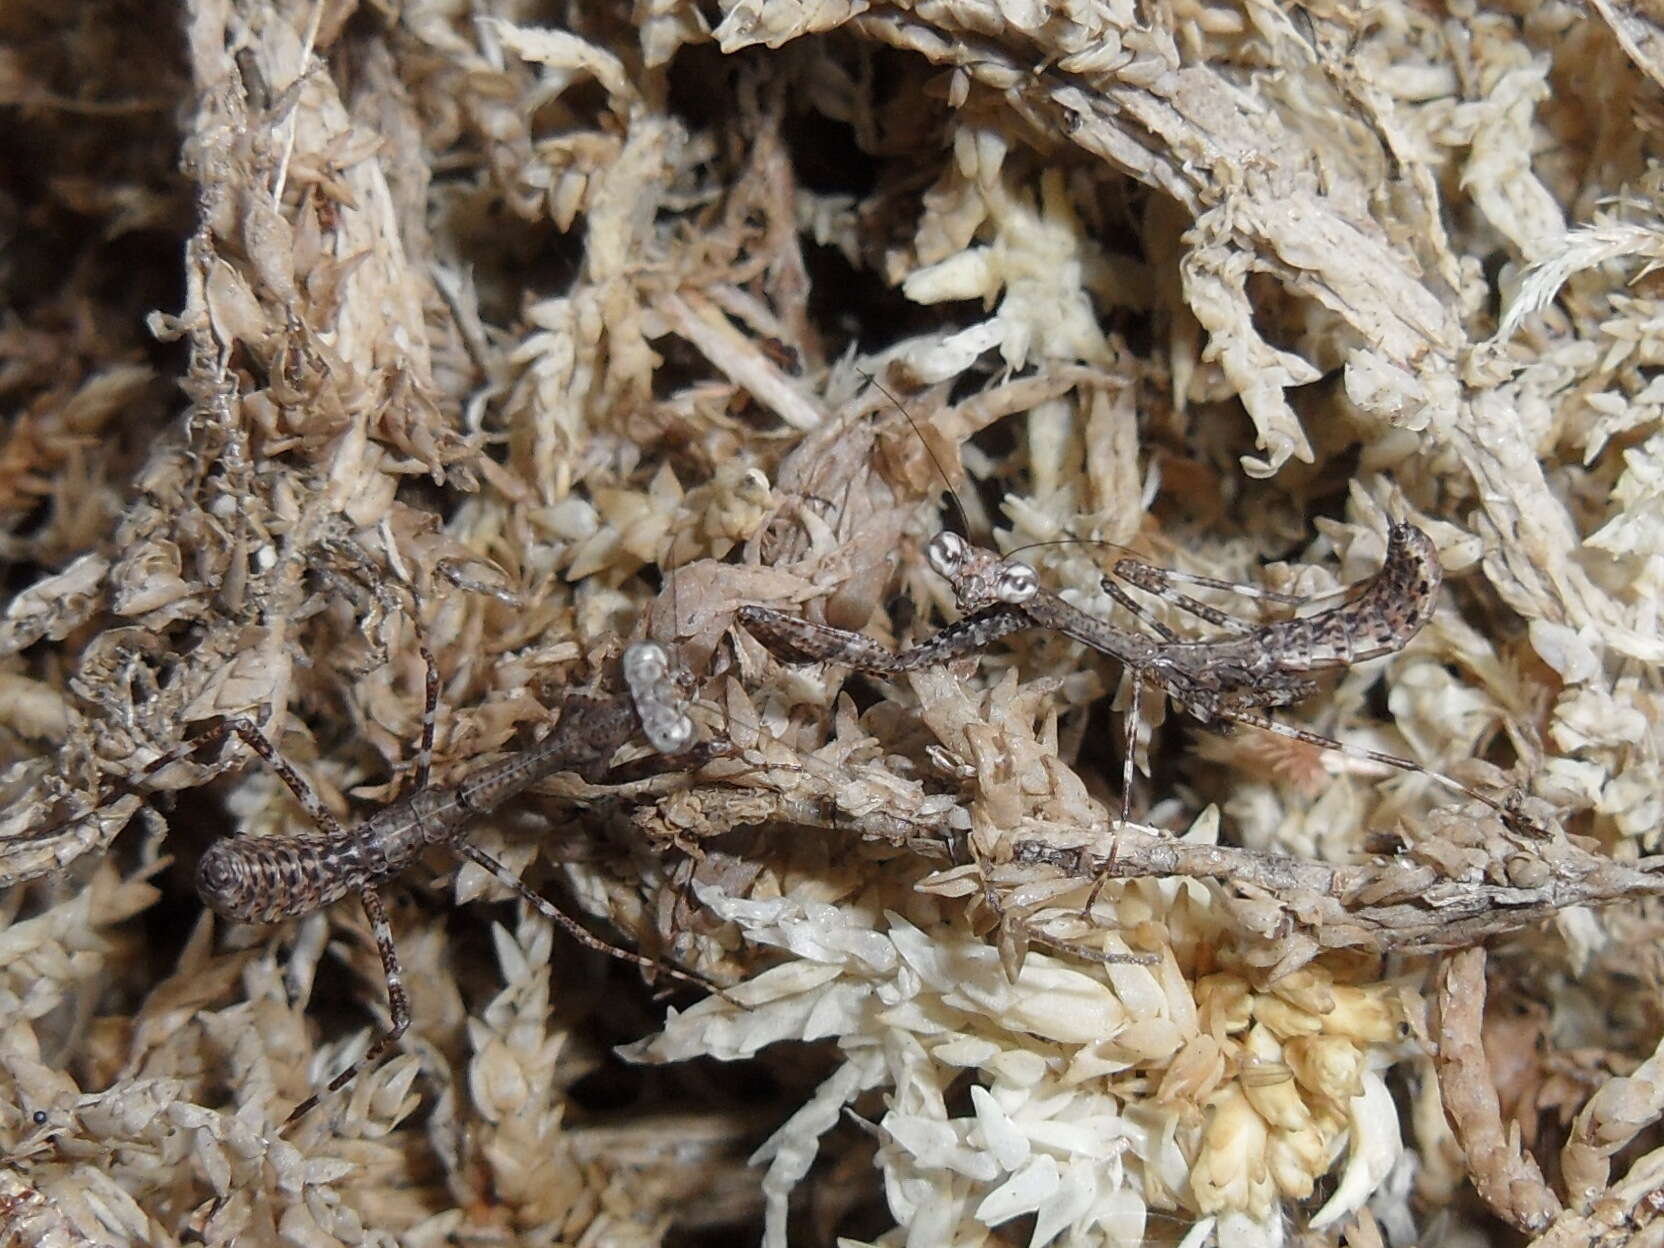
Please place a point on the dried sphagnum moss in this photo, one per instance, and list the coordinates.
(507, 319)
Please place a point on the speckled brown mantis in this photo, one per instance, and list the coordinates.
(1223, 682)
(264, 879)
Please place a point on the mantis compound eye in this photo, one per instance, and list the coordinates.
(652, 680)
(1017, 584)
(946, 554)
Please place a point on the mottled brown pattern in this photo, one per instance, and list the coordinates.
(1221, 682)
(793, 639)
(263, 879)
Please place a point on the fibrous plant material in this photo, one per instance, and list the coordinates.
(581, 326)
(1511, 1184)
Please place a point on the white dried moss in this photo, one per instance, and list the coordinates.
(550, 334)
(1087, 1086)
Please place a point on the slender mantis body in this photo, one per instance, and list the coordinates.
(1224, 682)
(265, 879)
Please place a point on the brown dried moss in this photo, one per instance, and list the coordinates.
(556, 330)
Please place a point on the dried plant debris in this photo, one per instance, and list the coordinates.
(1088, 1085)
(338, 332)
